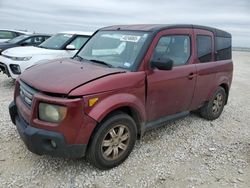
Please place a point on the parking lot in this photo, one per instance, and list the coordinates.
(186, 153)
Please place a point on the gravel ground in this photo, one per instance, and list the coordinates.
(191, 152)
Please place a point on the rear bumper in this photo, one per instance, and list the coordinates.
(39, 141)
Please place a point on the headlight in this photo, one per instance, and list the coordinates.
(20, 58)
(52, 113)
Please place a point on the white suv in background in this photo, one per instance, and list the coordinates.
(61, 45)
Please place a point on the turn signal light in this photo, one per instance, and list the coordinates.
(92, 101)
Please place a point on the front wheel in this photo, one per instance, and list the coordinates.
(213, 108)
(112, 142)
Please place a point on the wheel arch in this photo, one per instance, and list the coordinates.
(132, 112)
(135, 115)
(226, 88)
(225, 84)
(120, 103)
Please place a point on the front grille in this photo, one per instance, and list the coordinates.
(26, 93)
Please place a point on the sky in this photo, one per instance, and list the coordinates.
(51, 16)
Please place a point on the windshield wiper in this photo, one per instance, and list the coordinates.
(79, 58)
(101, 62)
(41, 47)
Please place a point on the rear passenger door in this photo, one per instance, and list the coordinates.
(206, 66)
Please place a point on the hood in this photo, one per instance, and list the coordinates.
(29, 51)
(63, 76)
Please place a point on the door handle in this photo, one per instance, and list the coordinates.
(191, 76)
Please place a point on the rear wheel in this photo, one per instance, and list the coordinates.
(213, 108)
(112, 142)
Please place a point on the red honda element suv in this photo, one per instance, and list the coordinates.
(124, 81)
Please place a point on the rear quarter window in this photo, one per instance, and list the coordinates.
(223, 48)
(204, 48)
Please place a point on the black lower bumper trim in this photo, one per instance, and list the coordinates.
(4, 68)
(41, 141)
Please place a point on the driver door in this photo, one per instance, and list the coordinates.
(171, 91)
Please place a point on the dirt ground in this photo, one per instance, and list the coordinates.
(191, 152)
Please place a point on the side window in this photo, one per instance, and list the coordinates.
(27, 42)
(174, 47)
(204, 48)
(14, 34)
(45, 38)
(79, 41)
(38, 40)
(6, 35)
(223, 48)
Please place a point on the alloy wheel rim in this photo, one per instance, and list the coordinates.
(115, 142)
(217, 103)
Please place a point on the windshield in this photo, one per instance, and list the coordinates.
(17, 39)
(56, 42)
(115, 48)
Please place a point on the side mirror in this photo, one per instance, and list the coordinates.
(162, 64)
(70, 47)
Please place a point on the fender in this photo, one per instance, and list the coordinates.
(221, 80)
(113, 102)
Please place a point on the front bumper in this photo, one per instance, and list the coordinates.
(4, 69)
(38, 140)
(7, 63)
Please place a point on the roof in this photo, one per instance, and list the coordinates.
(39, 34)
(18, 31)
(159, 27)
(77, 33)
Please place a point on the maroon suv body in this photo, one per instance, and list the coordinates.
(125, 80)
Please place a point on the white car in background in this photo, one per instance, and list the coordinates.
(14, 61)
(7, 34)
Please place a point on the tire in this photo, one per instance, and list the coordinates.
(213, 108)
(112, 142)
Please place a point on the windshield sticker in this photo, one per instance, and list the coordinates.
(130, 38)
(127, 64)
(67, 35)
(113, 36)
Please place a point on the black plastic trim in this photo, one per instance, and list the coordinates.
(38, 141)
(5, 70)
(163, 121)
(160, 27)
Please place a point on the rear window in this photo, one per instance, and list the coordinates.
(6, 35)
(204, 48)
(223, 48)
(18, 39)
